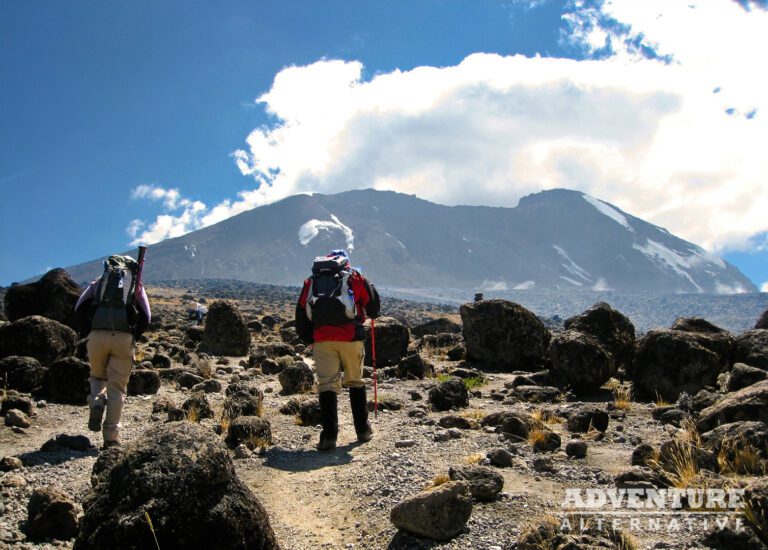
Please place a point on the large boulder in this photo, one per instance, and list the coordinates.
(181, 476)
(23, 374)
(44, 339)
(611, 328)
(752, 348)
(243, 399)
(143, 382)
(762, 322)
(750, 403)
(438, 514)
(579, 361)
(484, 483)
(451, 394)
(392, 338)
(251, 430)
(53, 296)
(710, 336)
(51, 514)
(742, 375)
(673, 361)
(737, 434)
(66, 381)
(436, 326)
(268, 350)
(587, 417)
(226, 331)
(504, 335)
(296, 378)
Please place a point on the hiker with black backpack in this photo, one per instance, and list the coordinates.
(330, 313)
(115, 310)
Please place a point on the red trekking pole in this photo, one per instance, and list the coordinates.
(375, 379)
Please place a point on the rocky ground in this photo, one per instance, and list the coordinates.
(343, 499)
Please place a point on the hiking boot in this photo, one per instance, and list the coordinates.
(110, 444)
(94, 418)
(359, 403)
(329, 420)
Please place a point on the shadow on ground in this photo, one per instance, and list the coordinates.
(307, 460)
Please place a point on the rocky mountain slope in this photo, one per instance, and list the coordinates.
(557, 239)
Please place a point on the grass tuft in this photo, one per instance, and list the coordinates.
(739, 457)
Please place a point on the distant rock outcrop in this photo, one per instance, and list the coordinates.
(762, 322)
(752, 348)
(226, 331)
(44, 339)
(53, 296)
(504, 335)
(579, 361)
(181, 476)
(669, 362)
(611, 328)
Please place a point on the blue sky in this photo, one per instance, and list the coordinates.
(128, 121)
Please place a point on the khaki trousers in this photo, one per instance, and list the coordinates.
(331, 358)
(111, 357)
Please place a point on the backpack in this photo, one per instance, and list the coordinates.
(330, 300)
(113, 307)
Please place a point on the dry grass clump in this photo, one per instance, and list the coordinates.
(541, 417)
(193, 414)
(474, 414)
(551, 533)
(739, 457)
(757, 518)
(438, 480)
(475, 458)
(254, 442)
(660, 401)
(622, 394)
(537, 437)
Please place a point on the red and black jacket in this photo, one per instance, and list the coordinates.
(368, 304)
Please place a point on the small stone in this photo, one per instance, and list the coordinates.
(454, 433)
(543, 464)
(15, 417)
(442, 436)
(242, 452)
(500, 457)
(576, 448)
(404, 443)
(10, 463)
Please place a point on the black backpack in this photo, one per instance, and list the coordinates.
(113, 306)
(330, 300)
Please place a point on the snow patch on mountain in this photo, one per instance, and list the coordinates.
(494, 285)
(312, 229)
(525, 285)
(662, 255)
(609, 211)
(601, 285)
(572, 267)
(572, 281)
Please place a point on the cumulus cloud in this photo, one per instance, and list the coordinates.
(638, 125)
(764, 288)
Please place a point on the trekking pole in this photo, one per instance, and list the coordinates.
(140, 261)
(375, 380)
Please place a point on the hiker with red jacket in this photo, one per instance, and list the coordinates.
(115, 309)
(330, 313)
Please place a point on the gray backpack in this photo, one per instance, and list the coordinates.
(113, 306)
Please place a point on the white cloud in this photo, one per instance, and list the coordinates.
(648, 136)
(764, 288)
(167, 225)
(312, 228)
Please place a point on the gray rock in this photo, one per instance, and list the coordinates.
(184, 478)
(44, 339)
(484, 483)
(750, 403)
(252, 431)
(51, 514)
(66, 381)
(451, 394)
(392, 338)
(612, 329)
(24, 374)
(580, 362)
(438, 514)
(752, 348)
(15, 417)
(504, 335)
(500, 457)
(586, 416)
(143, 382)
(742, 375)
(576, 448)
(297, 378)
(226, 332)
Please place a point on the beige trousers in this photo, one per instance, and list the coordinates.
(331, 358)
(111, 357)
